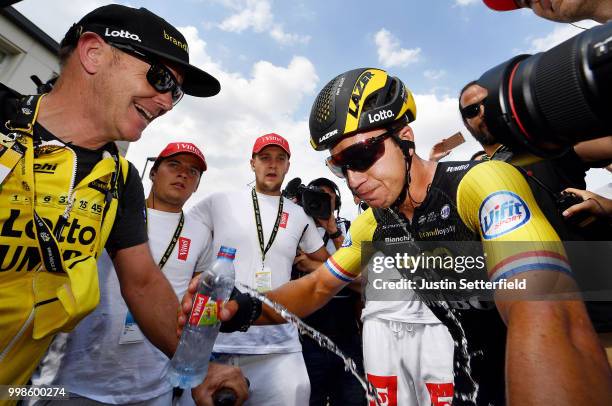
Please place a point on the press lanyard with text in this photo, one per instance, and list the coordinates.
(175, 237)
(263, 278)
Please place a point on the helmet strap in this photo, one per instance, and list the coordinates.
(405, 146)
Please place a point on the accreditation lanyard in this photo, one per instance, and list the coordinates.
(260, 233)
(175, 237)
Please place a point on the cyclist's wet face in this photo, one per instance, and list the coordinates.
(175, 180)
(381, 183)
(270, 165)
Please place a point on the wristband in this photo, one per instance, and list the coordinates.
(249, 309)
(335, 235)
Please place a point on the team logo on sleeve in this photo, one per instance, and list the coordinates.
(347, 240)
(502, 212)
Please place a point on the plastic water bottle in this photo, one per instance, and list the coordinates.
(189, 365)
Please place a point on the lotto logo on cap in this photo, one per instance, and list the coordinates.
(270, 139)
(175, 148)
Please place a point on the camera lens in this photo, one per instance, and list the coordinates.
(551, 100)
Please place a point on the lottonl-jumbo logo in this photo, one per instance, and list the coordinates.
(502, 212)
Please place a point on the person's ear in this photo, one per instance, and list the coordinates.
(406, 133)
(92, 52)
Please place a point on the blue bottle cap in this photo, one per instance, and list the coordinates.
(227, 252)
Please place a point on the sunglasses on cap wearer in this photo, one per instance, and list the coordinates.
(358, 157)
(158, 76)
(472, 110)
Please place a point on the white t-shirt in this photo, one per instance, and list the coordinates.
(95, 364)
(409, 310)
(231, 218)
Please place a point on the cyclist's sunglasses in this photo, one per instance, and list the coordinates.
(358, 157)
(158, 76)
(472, 110)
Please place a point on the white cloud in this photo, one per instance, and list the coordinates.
(225, 126)
(557, 36)
(438, 118)
(390, 52)
(64, 14)
(257, 15)
(433, 74)
(466, 2)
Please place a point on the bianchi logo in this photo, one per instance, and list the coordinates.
(398, 239)
(121, 34)
(381, 115)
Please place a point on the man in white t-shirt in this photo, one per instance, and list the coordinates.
(266, 229)
(106, 359)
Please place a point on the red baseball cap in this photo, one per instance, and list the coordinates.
(270, 139)
(502, 5)
(175, 148)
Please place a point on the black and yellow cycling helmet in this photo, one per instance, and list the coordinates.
(357, 101)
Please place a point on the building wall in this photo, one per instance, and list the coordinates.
(22, 56)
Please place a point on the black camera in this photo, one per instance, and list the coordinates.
(547, 102)
(314, 200)
(568, 199)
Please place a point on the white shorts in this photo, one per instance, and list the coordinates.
(275, 379)
(410, 364)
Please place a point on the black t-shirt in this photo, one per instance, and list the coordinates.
(129, 228)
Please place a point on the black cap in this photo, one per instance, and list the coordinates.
(143, 30)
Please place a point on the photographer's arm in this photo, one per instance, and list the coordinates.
(593, 203)
(598, 150)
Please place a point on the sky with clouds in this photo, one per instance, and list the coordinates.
(273, 56)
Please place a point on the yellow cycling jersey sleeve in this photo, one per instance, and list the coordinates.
(494, 199)
(345, 264)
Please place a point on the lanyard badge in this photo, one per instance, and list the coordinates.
(11, 152)
(263, 278)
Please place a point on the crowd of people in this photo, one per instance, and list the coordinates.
(97, 280)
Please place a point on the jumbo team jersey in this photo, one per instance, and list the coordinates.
(51, 180)
(467, 201)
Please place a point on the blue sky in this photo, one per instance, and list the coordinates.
(273, 56)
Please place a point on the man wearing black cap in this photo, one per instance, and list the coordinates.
(67, 194)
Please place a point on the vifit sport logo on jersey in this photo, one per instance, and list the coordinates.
(502, 212)
(121, 34)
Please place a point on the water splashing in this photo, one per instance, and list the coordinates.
(321, 339)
